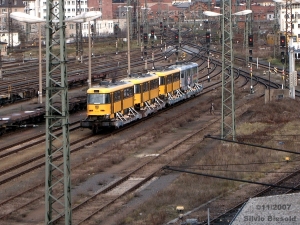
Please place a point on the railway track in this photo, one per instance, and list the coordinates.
(38, 194)
(80, 219)
(75, 146)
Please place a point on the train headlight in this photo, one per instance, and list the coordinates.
(107, 116)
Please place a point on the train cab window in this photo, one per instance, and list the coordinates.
(153, 84)
(128, 92)
(98, 99)
(117, 96)
(188, 72)
(137, 88)
(176, 77)
(145, 87)
(169, 79)
(195, 70)
(161, 80)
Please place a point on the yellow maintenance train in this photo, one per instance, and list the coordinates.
(115, 104)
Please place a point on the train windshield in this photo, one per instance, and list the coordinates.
(98, 98)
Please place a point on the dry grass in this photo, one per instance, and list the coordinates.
(264, 124)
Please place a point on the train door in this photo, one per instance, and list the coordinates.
(189, 77)
(162, 86)
(176, 81)
(146, 93)
(169, 84)
(154, 90)
(195, 74)
(137, 94)
(117, 103)
(128, 99)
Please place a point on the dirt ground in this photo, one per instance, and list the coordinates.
(155, 203)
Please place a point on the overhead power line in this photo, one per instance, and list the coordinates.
(229, 178)
(253, 145)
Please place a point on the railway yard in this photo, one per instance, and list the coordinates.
(122, 176)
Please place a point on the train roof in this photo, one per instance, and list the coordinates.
(137, 78)
(107, 86)
(166, 71)
(184, 65)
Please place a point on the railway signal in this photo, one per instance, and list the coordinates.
(141, 29)
(250, 55)
(165, 28)
(207, 37)
(160, 25)
(145, 38)
(176, 38)
(282, 58)
(250, 40)
(116, 29)
(152, 34)
(145, 50)
(282, 41)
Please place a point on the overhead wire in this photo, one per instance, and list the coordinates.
(229, 178)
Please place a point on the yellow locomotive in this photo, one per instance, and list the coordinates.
(115, 104)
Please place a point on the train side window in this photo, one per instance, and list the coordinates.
(153, 84)
(117, 96)
(125, 93)
(182, 75)
(145, 87)
(176, 77)
(161, 80)
(169, 79)
(137, 88)
(128, 92)
(195, 70)
(156, 83)
(98, 98)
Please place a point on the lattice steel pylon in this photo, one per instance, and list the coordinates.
(79, 47)
(228, 107)
(57, 178)
(276, 28)
(10, 29)
(248, 31)
(288, 33)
